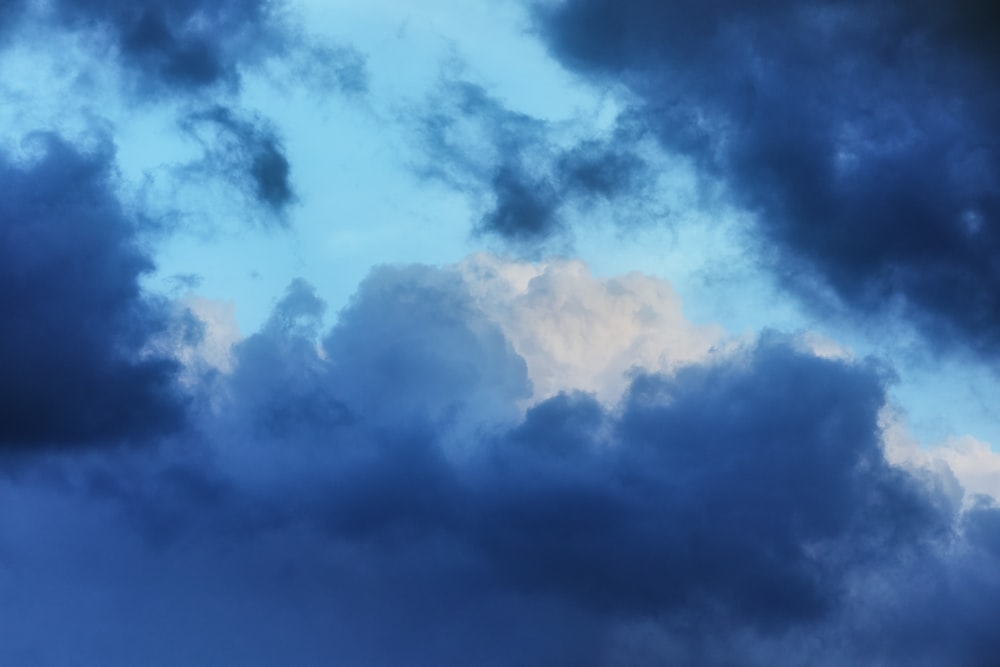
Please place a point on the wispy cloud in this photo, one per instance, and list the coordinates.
(528, 175)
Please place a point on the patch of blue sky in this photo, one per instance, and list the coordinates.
(361, 204)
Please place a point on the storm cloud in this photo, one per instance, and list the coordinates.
(77, 324)
(736, 509)
(862, 137)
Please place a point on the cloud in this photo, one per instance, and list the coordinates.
(439, 357)
(577, 332)
(189, 58)
(201, 335)
(671, 516)
(374, 494)
(863, 138)
(246, 151)
(9, 10)
(974, 465)
(76, 319)
(187, 45)
(527, 173)
(194, 48)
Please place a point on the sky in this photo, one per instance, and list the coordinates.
(513, 332)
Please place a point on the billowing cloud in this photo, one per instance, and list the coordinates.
(376, 495)
(201, 336)
(76, 322)
(577, 332)
(862, 136)
(972, 462)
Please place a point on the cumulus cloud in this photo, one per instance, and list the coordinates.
(972, 463)
(861, 136)
(374, 494)
(76, 321)
(578, 332)
(201, 336)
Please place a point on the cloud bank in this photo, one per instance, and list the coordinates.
(862, 136)
(381, 494)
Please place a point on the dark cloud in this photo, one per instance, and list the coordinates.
(9, 11)
(742, 498)
(76, 322)
(732, 486)
(862, 135)
(526, 177)
(412, 349)
(194, 47)
(245, 150)
(404, 512)
(524, 209)
(184, 45)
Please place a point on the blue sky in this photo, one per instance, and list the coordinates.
(669, 331)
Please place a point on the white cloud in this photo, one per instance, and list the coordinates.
(971, 462)
(578, 332)
(218, 334)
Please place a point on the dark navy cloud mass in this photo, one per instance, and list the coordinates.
(373, 496)
(76, 323)
(862, 135)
